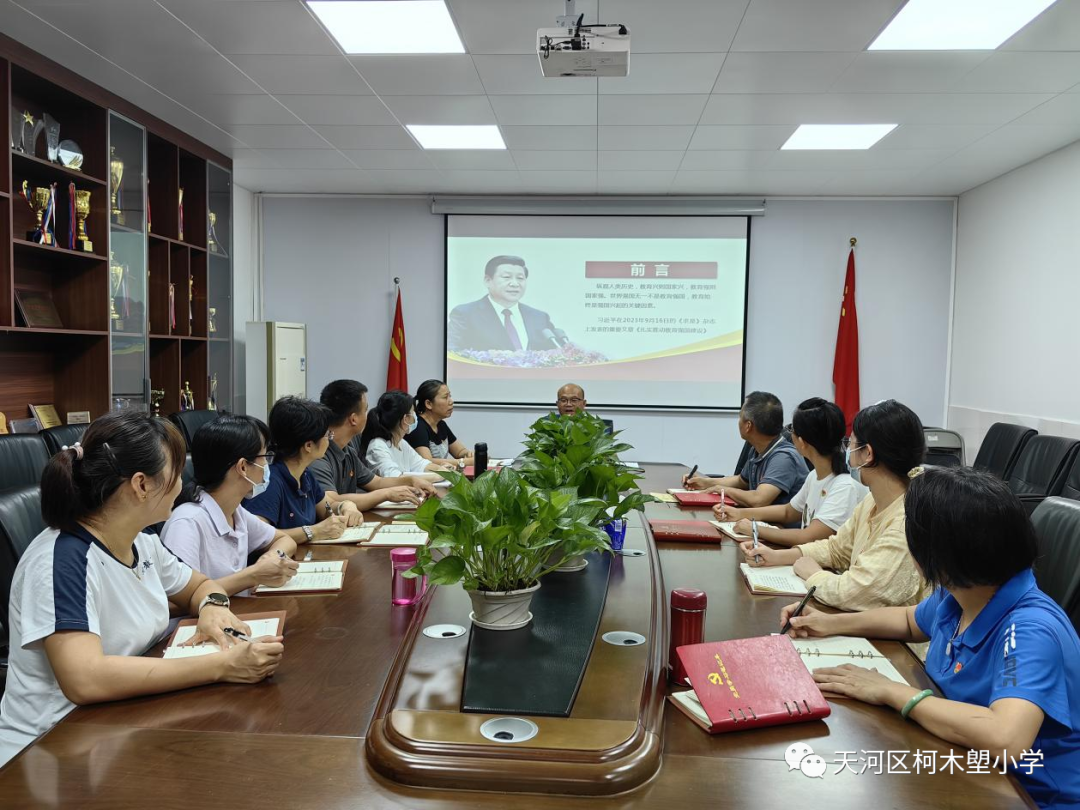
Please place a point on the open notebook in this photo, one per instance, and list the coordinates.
(394, 505)
(838, 650)
(776, 580)
(312, 577)
(351, 536)
(261, 624)
(398, 534)
(728, 528)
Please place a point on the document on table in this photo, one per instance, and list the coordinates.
(412, 536)
(325, 575)
(393, 505)
(353, 534)
(259, 627)
(838, 650)
(663, 497)
(776, 580)
(728, 528)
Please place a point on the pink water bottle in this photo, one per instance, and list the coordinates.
(405, 591)
(687, 627)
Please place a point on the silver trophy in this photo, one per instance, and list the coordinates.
(52, 138)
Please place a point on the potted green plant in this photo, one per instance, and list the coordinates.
(498, 536)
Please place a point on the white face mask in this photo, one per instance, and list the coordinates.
(412, 425)
(856, 476)
(258, 489)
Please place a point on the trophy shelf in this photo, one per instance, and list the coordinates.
(172, 241)
(24, 244)
(4, 195)
(45, 330)
(31, 167)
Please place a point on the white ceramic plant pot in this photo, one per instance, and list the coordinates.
(573, 564)
(502, 610)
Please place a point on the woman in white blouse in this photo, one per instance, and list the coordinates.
(383, 442)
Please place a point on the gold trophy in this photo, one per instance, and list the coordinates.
(211, 327)
(39, 201)
(116, 175)
(116, 281)
(211, 242)
(187, 398)
(82, 211)
(180, 210)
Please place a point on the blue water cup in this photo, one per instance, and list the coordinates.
(616, 530)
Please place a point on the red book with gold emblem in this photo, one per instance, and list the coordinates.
(747, 683)
(691, 531)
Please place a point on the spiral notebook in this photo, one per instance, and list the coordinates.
(351, 536)
(728, 528)
(313, 577)
(836, 651)
(776, 580)
(270, 623)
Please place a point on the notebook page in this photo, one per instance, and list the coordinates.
(689, 701)
(392, 505)
(839, 650)
(398, 539)
(399, 528)
(314, 581)
(321, 567)
(780, 579)
(353, 534)
(728, 527)
(259, 627)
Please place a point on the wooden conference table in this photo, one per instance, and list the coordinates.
(297, 741)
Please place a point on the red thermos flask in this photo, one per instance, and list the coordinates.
(687, 627)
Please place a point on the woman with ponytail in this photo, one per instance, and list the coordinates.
(92, 591)
(210, 530)
(828, 496)
(383, 445)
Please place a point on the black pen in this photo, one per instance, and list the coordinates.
(691, 475)
(798, 610)
(236, 634)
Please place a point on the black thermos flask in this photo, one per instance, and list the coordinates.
(480, 459)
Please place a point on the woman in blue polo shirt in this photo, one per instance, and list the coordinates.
(292, 499)
(1003, 653)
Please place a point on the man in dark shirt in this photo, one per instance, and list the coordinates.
(341, 472)
(774, 471)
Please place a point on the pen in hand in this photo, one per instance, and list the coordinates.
(691, 473)
(798, 609)
(236, 634)
(753, 528)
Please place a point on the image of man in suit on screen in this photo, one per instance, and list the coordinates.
(499, 320)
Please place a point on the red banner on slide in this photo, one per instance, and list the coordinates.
(651, 269)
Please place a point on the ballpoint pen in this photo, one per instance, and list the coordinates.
(753, 529)
(798, 609)
(236, 634)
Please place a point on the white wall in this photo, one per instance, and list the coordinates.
(1017, 288)
(245, 253)
(329, 262)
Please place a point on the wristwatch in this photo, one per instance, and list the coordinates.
(215, 599)
(308, 533)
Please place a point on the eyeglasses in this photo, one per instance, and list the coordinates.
(570, 400)
(845, 443)
(268, 456)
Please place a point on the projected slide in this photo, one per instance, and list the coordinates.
(640, 311)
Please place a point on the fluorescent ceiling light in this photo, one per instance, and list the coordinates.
(837, 136)
(956, 25)
(458, 137)
(389, 26)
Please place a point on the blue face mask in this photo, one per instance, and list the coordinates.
(415, 422)
(259, 488)
(856, 476)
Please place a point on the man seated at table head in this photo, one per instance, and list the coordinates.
(570, 399)
(499, 321)
(341, 472)
(774, 470)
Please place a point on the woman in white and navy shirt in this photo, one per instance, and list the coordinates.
(92, 592)
(383, 444)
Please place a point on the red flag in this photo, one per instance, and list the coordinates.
(397, 370)
(845, 374)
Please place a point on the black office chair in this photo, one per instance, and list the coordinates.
(1001, 448)
(191, 421)
(1057, 523)
(944, 448)
(1070, 487)
(1040, 471)
(57, 437)
(20, 523)
(22, 458)
(609, 426)
(744, 454)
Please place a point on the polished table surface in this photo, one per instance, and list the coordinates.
(297, 741)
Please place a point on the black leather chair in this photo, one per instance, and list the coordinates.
(743, 455)
(22, 458)
(1070, 488)
(1001, 448)
(20, 523)
(57, 437)
(191, 421)
(1040, 471)
(1057, 523)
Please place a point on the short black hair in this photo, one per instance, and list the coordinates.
(896, 434)
(217, 446)
(967, 528)
(766, 412)
(295, 421)
(492, 265)
(820, 424)
(342, 398)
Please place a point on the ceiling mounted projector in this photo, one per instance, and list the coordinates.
(574, 49)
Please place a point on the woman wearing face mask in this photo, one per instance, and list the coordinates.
(866, 564)
(92, 592)
(827, 497)
(382, 443)
(210, 530)
(432, 438)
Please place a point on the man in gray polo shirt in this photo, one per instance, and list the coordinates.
(340, 472)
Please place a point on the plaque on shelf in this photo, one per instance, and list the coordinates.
(78, 417)
(24, 425)
(38, 309)
(17, 125)
(52, 138)
(46, 416)
(3, 423)
(71, 155)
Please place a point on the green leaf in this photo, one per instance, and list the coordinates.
(447, 571)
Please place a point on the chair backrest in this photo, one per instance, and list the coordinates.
(22, 458)
(1057, 523)
(57, 437)
(191, 421)
(1001, 448)
(944, 448)
(609, 426)
(1070, 487)
(1040, 470)
(20, 522)
(745, 454)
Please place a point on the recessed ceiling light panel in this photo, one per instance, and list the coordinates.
(389, 26)
(837, 136)
(957, 25)
(457, 137)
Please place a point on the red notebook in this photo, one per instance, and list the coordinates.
(747, 683)
(700, 499)
(694, 531)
